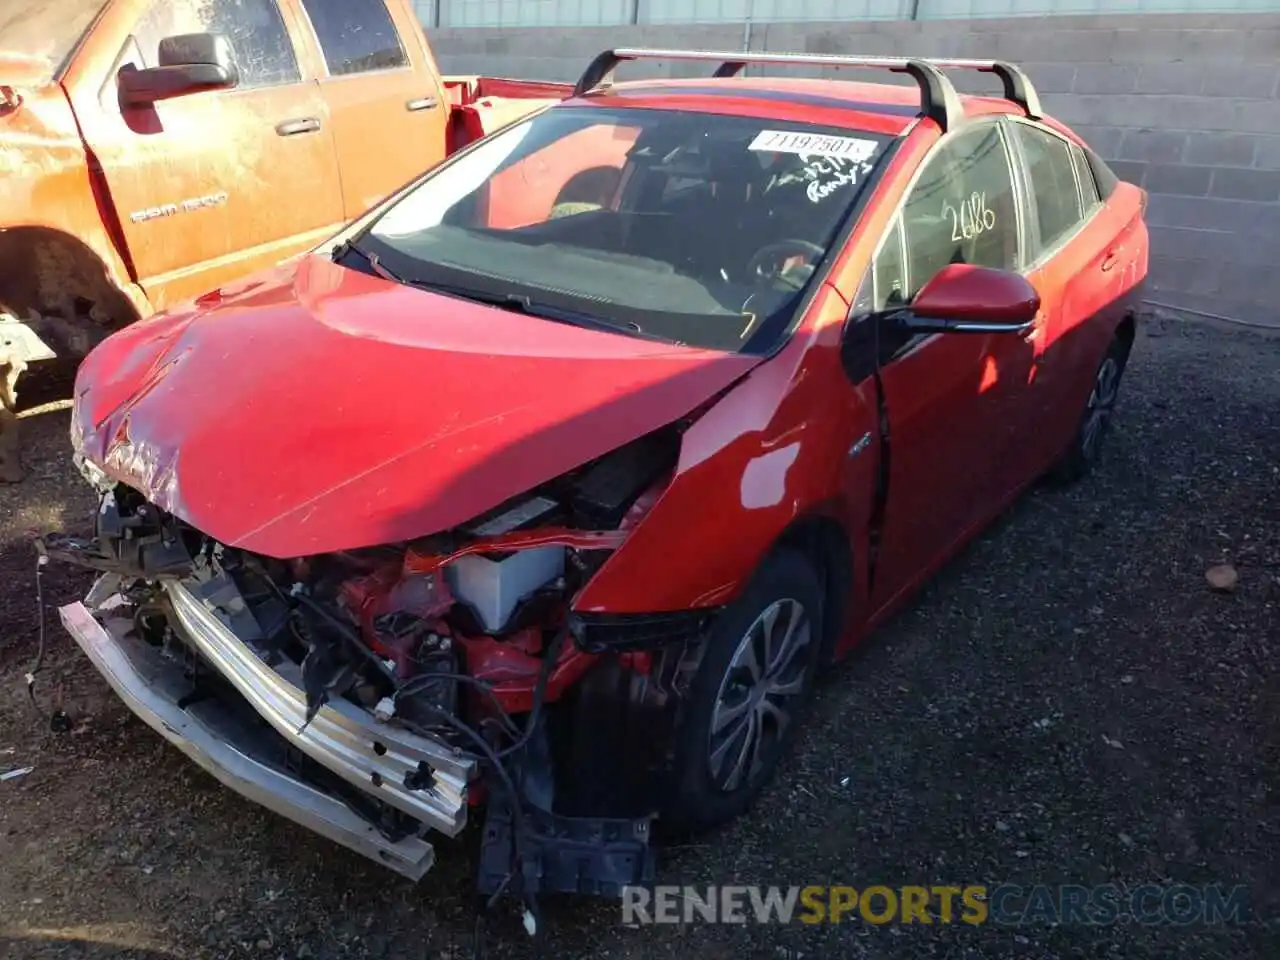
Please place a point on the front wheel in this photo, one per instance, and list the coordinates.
(1085, 450)
(748, 694)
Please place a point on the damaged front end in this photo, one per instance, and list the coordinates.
(376, 695)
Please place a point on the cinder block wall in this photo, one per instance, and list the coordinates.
(1186, 105)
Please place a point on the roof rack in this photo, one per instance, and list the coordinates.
(938, 98)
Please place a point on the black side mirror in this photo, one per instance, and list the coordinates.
(966, 299)
(189, 63)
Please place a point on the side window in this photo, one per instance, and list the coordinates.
(263, 49)
(1089, 194)
(962, 209)
(889, 272)
(883, 287)
(1053, 183)
(357, 36)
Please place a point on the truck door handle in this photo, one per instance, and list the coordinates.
(291, 128)
(422, 103)
(1110, 260)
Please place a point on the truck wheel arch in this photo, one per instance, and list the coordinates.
(63, 289)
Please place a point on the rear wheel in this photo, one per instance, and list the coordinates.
(748, 694)
(1086, 446)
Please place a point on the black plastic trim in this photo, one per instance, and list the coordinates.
(583, 855)
(620, 632)
(938, 98)
(1103, 175)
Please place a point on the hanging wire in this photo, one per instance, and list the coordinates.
(1255, 324)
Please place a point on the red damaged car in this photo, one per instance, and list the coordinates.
(551, 484)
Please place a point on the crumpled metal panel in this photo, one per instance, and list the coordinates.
(154, 686)
(321, 409)
(342, 737)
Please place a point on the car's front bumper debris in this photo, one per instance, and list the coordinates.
(331, 690)
(331, 776)
(374, 757)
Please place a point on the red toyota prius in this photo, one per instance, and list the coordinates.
(548, 487)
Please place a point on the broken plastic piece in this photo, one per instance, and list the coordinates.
(561, 854)
(15, 774)
(385, 710)
(323, 670)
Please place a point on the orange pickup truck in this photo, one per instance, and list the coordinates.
(152, 150)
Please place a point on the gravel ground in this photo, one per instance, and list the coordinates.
(1067, 703)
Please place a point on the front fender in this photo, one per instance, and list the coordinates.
(771, 451)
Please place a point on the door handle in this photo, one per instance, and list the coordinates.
(422, 103)
(291, 128)
(1110, 260)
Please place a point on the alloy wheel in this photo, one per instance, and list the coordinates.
(758, 695)
(1102, 401)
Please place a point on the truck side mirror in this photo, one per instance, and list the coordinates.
(189, 63)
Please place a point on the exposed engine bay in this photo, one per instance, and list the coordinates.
(411, 681)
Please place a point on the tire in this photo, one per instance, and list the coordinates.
(715, 777)
(1085, 451)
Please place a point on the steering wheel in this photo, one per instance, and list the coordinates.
(767, 262)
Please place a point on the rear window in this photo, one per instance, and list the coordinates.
(1053, 183)
(1089, 195)
(43, 33)
(696, 228)
(1104, 177)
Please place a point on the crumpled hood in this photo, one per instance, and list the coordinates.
(316, 408)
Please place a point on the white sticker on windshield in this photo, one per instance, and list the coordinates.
(813, 144)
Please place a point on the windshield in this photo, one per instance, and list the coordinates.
(693, 228)
(44, 32)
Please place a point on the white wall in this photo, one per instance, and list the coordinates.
(949, 9)
(534, 13)
(710, 11)
(547, 13)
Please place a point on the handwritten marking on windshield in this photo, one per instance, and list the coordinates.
(826, 175)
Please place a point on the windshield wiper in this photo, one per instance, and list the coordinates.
(523, 303)
(519, 302)
(346, 246)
